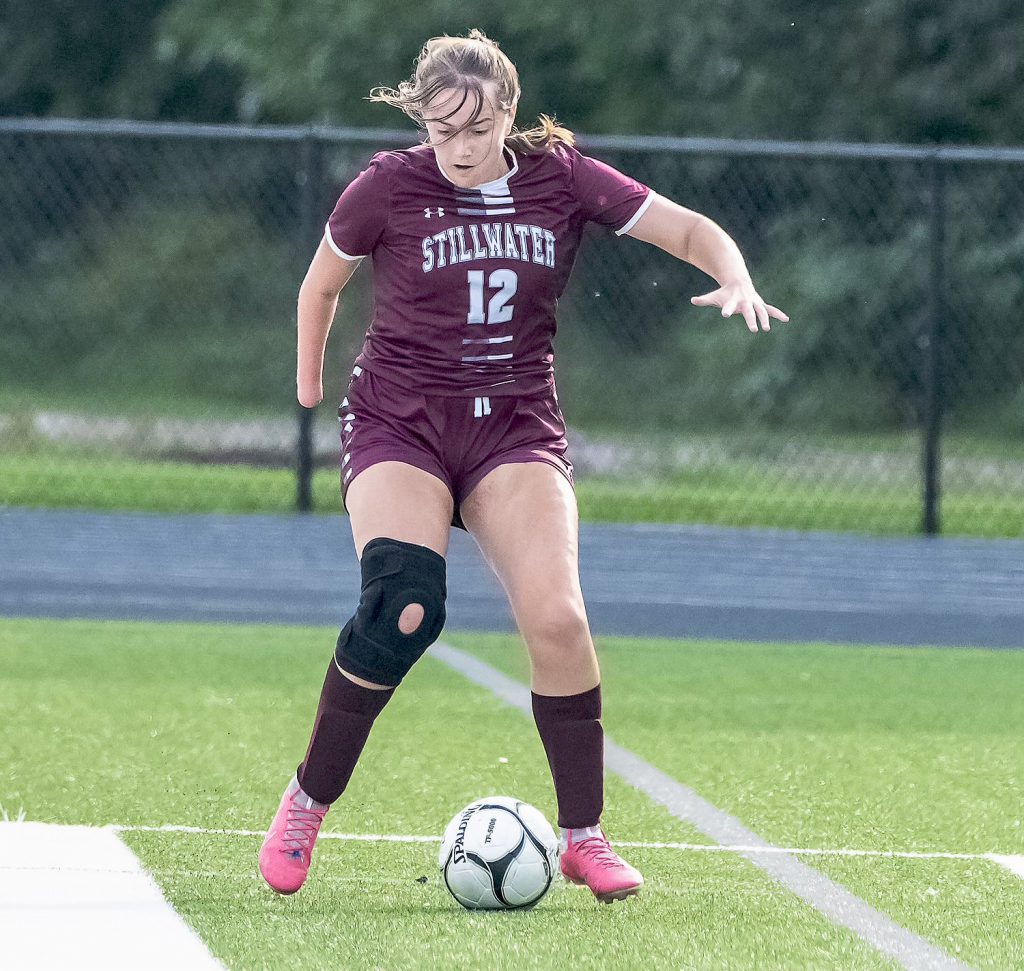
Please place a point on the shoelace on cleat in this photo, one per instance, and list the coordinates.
(301, 827)
(600, 851)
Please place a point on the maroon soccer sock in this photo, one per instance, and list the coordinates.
(570, 728)
(344, 718)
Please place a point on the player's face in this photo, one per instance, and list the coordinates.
(470, 154)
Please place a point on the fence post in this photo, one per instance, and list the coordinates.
(934, 349)
(310, 180)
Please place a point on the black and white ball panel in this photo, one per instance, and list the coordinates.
(498, 853)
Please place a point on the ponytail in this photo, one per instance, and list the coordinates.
(545, 136)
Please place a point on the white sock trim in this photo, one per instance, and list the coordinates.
(304, 799)
(582, 833)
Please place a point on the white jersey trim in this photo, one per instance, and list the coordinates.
(334, 246)
(488, 188)
(636, 216)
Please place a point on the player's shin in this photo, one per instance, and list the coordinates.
(573, 737)
(344, 717)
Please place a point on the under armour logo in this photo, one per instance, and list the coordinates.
(427, 213)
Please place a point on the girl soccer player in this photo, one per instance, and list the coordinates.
(451, 417)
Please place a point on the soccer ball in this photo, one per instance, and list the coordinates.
(498, 854)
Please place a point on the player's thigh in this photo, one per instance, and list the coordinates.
(401, 502)
(525, 520)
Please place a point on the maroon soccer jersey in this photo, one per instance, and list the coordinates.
(466, 280)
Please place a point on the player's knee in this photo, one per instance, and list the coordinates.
(401, 611)
(411, 618)
(557, 623)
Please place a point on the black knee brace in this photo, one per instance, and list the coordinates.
(395, 574)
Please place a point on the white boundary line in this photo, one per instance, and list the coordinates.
(829, 898)
(77, 897)
(201, 831)
(1014, 863)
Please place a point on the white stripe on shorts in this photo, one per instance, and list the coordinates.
(481, 407)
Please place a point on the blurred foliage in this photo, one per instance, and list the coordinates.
(93, 58)
(142, 275)
(168, 304)
(150, 268)
(878, 70)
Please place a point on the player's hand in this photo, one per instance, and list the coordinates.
(744, 299)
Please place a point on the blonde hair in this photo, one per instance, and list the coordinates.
(466, 64)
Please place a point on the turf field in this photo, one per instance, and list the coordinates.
(811, 746)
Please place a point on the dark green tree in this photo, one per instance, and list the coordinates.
(93, 58)
(899, 70)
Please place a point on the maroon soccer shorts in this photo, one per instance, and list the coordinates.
(458, 440)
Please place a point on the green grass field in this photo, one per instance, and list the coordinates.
(735, 497)
(811, 746)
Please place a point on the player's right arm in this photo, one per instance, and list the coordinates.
(318, 303)
(352, 232)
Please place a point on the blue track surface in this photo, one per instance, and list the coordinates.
(673, 581)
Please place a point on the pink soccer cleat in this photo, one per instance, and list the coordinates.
(288, 849)
(593, 863)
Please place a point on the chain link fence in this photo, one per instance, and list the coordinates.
(149, 275)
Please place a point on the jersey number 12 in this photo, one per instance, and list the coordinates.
(499, 311)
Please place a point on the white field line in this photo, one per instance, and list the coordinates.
(77, 897)
(1015, 864)
(364, 837)
(832, 900)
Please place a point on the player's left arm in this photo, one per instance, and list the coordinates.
(694, 238)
